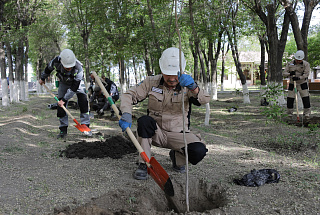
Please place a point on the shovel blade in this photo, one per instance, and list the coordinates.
(82, 127)
(161, 177)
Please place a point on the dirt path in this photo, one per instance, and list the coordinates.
(37, 176)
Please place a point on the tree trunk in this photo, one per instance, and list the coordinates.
(147, 61)
(197, 44)
(195, 61)
(85, 37)
(213, 65)
(135, 69)
(10, 66)
(235, 55)
(301, 36)
(26, 87)
(122, 76)
(155, 40)
(224, 55)
(18, 72)
(4, 81)
(262, 60)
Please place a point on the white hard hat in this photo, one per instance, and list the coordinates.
(299, 55)
(169, 61)
(68, 59)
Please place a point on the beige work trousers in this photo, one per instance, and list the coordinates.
(170, 140)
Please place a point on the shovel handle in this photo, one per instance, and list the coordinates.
(64, 108)
(296, 95)
(114, 107)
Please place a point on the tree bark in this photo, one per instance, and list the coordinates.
(197, 43)
(4, 82)
(276, 46)
(155, 39)
(301, 36)
(262, 60)
(10, 66)
(195, 61)
(213, 65)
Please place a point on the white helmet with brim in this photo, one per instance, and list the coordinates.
(299, 55)
(68, 59)
(169, 61)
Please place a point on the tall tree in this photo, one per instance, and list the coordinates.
(82, 16)
(233, 35)
(269, 13)
(4, 85)
(196, 41)
(300, 35)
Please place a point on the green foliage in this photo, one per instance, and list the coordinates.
(313, 127)
(274, 110)
(290, 49)
(314, 50)
(24, 109)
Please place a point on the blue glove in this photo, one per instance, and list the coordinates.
(187, 81)
(125, 121)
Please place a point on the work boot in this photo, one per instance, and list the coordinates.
(63, 133)
(141, 173)
(180, 169)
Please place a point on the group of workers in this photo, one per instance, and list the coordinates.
(163, 125)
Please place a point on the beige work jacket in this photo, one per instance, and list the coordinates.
(302, 71)
(164, 105)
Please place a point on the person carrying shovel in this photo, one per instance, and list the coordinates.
(70, 73)
(163, 125)
(298, 70)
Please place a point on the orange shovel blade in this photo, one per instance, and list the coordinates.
(161, 177)
(82, 127)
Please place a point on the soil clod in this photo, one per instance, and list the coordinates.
(114, 147)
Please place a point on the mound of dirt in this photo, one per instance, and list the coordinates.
(114, 147)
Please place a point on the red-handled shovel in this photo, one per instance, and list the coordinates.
(156, 171)
(81, 127)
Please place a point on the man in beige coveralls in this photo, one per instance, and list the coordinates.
(163, 124)
(298, 70)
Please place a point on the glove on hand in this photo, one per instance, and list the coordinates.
(187, 81)
(125, 121)
(295, 78)
(101, 111)
(292, 73)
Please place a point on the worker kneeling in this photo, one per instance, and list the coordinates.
(163, 125)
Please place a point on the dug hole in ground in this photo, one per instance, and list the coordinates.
(93, 175)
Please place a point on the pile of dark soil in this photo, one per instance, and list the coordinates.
(114, 147)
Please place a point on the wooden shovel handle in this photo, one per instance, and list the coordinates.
(64, 108)
(114, 107)
(296, 95)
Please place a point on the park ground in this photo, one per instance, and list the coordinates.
(40, 174)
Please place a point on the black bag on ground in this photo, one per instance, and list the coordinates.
(259, 177)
